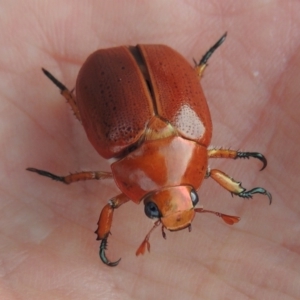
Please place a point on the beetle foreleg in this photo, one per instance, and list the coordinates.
(68, 95)
(103, 247)
(200, 67)
(235, 187)
(73, 177)
(226, 218)
(227, 153)
(104, 225)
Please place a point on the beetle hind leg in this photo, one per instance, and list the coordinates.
(68, 95)
(234, 187)
(200, 67)
(72, 177)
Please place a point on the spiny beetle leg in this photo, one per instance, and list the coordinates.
(68, 95)
(235, 187)
(47, 174)
(73, 177)
(255, 155)
(200, 67)
(104, 259)
(257, 190)
(227, 153)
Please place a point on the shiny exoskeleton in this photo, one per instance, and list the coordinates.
(144, 106)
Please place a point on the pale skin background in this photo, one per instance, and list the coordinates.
(48, 248)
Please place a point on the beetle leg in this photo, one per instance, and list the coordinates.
(145, 244)
(104, 225)
(200, 67)
(226, 153)
(226, 218)
(69, 96)
(73, 177)
(104, 259)
(235, 187)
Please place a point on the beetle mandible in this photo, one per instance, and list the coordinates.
(144, 106)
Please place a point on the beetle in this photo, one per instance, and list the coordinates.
(144, 107)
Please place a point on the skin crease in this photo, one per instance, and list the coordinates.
(48, 248)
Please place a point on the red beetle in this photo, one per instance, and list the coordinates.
(144, 106)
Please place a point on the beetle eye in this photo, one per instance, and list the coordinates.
(194, 197)
(151, 210)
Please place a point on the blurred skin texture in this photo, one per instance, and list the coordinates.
(48, 248)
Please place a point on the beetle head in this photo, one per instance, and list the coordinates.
(174, 206)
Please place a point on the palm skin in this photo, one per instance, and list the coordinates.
(48, 248)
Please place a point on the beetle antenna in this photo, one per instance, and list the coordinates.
(145, 244)
(226, 218)
(103, 247)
